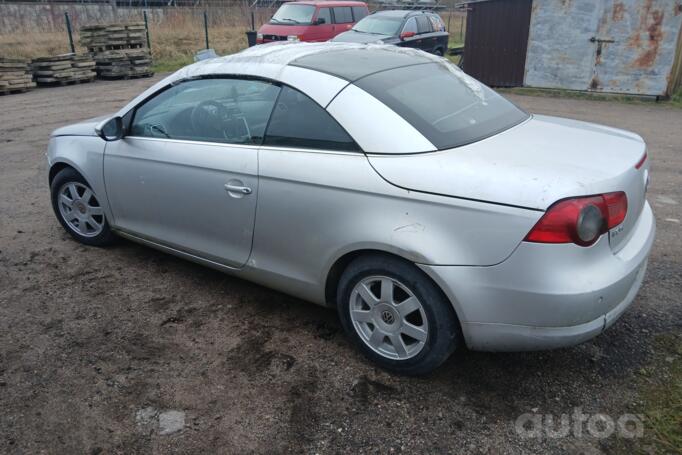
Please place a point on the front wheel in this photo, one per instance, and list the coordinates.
(78, 209)
(396, 315)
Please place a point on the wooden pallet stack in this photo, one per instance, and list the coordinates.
(63, 69)
(15, 76)
(120, 50)
(124, 64)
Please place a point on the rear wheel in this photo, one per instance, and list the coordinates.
(396, 315)
(438, 52)
(78, 209)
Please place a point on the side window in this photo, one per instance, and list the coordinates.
(359, 12)
(343, 15)
(298, 121)
(326, 14)
(423, 24)
(410, 26)
(437, 23)
(232, 111)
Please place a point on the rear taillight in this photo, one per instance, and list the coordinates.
(580, 220)
(641, 162)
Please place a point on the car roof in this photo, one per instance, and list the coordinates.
(348, 61)
(353, 64)
(401, 13)
(327, 3)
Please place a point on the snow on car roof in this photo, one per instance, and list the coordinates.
(349, 61)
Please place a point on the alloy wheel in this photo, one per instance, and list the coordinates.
(389, 318)
(80, 209)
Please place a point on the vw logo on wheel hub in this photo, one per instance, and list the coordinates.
(387, 317)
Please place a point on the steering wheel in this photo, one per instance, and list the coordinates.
(209, 118)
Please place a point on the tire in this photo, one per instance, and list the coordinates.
(438, 52)
(417, 352)
(88, 224)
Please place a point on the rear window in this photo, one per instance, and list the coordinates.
(297, 121)
(288, 14)
(343, 15)
(437, 23)
(444, 104)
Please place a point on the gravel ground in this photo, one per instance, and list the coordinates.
(129, 350)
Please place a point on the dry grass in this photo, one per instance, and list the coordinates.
(174, 40)
(33, 44)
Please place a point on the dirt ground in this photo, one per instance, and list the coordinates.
(98, 347)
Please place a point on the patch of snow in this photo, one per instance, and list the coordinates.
(171, 422)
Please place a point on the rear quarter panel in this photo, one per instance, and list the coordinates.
(314, 207)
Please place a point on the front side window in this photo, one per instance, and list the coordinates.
(293, 15)
(410, 26)
(444, 104)
(233, 111)
(379, 25)
(326, 14)
(343, 15)
(299, 122)
(359, 12)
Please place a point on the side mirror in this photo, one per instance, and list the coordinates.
(320, 21)
(405, 35)
(110, 130)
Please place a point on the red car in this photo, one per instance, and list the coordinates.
(311, 21)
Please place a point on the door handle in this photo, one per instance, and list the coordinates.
(237, 189)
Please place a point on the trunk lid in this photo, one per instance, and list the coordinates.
(532, 165)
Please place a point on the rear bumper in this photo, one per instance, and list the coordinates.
(547, 296)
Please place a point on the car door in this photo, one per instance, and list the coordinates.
(305, 156)
(426, 38)
(186, 173)
(441, 36)
(323, 31)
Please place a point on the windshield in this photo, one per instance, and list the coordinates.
(444, 104)
(379, 25)
(293, 15)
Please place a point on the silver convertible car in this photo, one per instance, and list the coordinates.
(430, 211)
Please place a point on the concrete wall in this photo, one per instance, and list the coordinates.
(639, 45)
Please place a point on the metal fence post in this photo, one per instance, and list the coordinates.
(450, 13)
(68, 30)
(146, 29)
(206, 27)
(461, 26)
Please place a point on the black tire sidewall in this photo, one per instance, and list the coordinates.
(443, 325)
(67, 175)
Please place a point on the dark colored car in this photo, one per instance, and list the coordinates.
(419, 29)
(311, 21)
